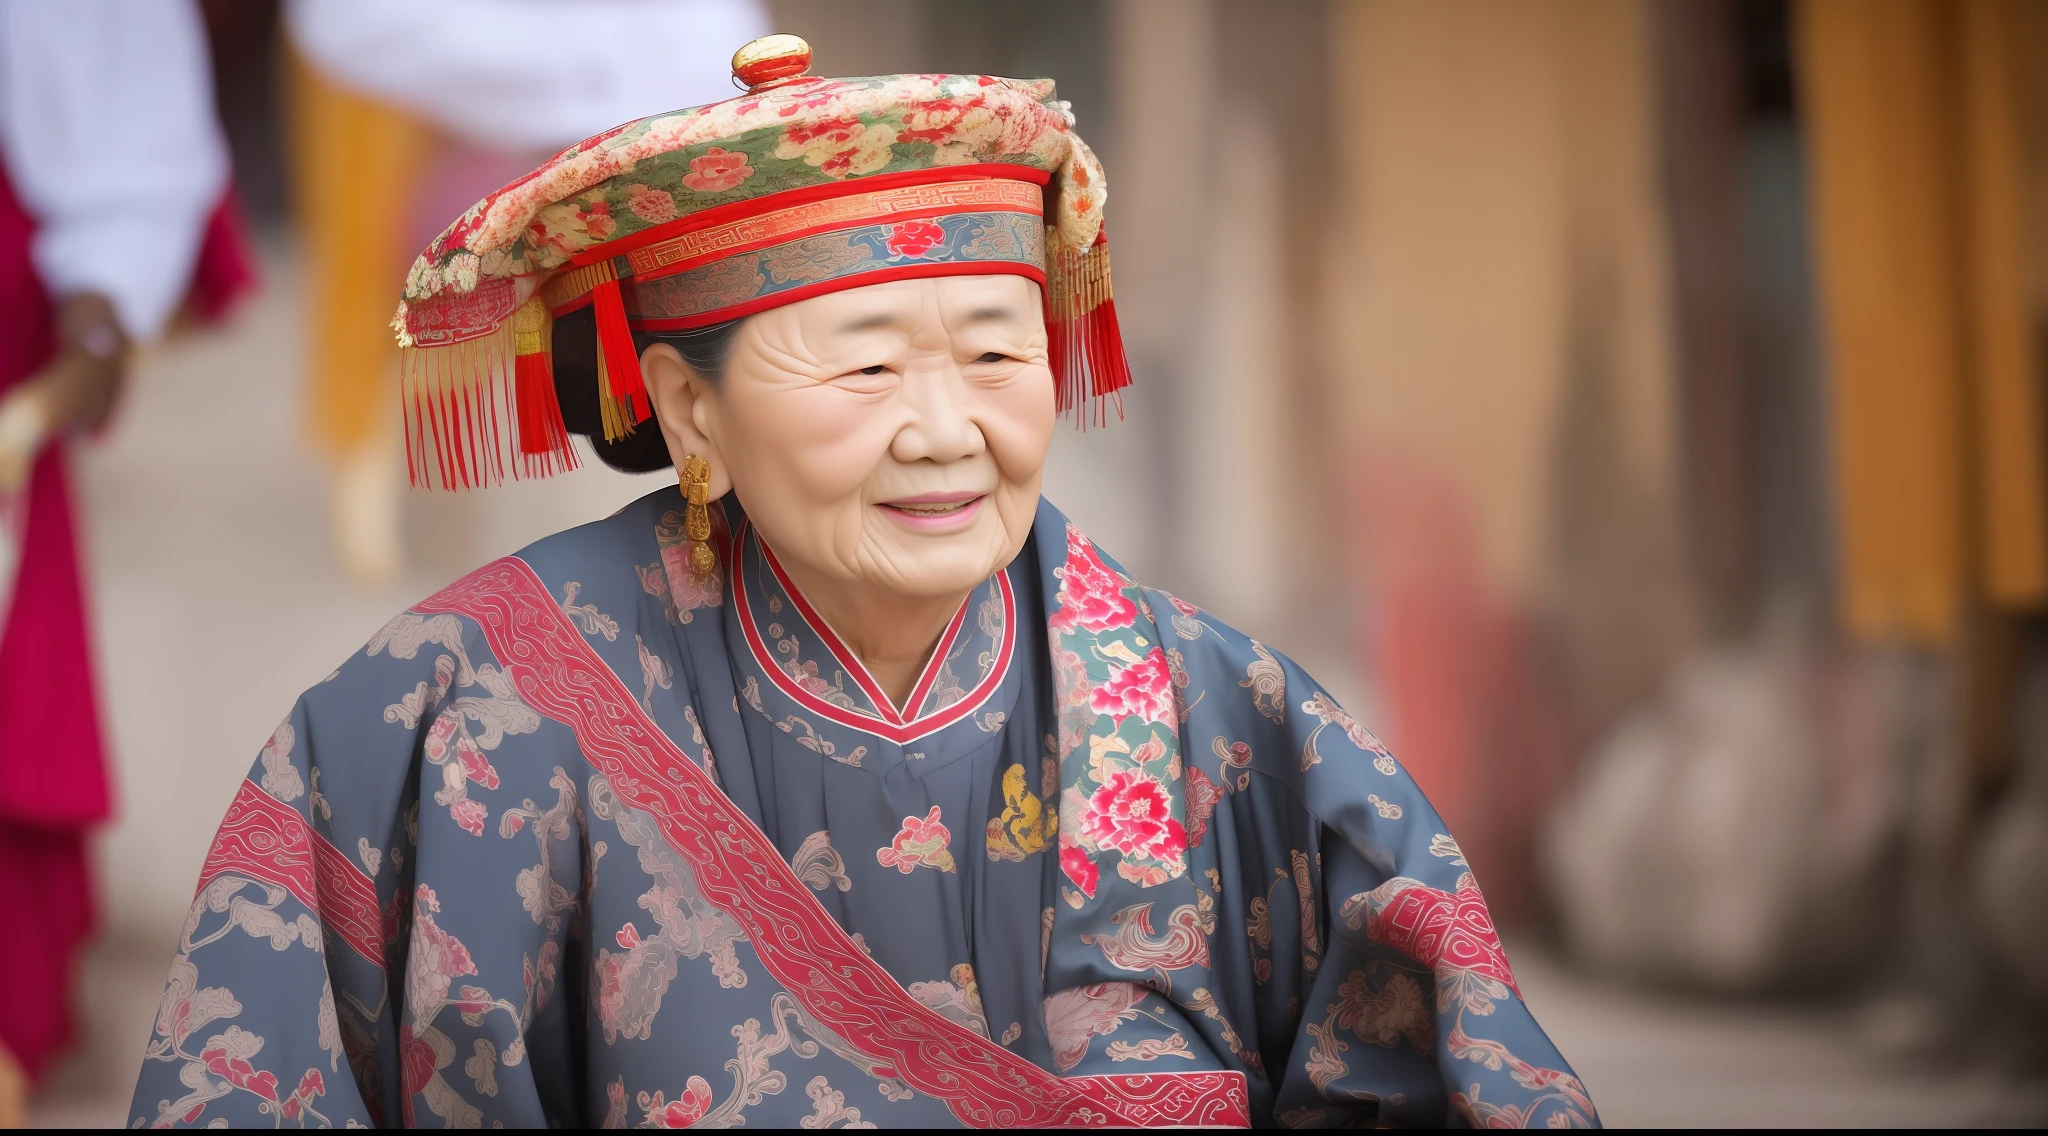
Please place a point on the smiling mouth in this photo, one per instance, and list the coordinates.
(934, 509)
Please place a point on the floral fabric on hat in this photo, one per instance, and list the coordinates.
(619, 185)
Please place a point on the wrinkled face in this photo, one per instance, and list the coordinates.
(891, 436)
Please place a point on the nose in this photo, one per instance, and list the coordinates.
(941, 428)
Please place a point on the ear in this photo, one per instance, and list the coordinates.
(686, 406)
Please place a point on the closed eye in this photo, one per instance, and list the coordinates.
(874, 370)
(992, 357)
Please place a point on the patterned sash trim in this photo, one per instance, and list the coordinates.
(268, 841)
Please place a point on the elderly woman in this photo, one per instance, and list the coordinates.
(846, 782)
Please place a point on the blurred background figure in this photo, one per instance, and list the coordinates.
(402, 115)
(1654, 388)
(114, 212)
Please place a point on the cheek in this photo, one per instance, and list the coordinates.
(1018, 421)
(812, 445)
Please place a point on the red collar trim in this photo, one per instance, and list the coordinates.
(889, 722)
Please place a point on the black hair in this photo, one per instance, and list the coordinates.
(705, 349)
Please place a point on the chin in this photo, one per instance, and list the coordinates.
(952, 563)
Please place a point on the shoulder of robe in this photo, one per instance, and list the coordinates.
(430, 661)
(613, 544)
(424, 695)
(620, 581)
(1242, 694)
(1209, 650)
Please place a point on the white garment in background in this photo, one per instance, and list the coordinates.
(108, 133)
(529, 74)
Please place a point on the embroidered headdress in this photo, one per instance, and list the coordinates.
(799, 187)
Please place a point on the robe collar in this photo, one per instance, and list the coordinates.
(806, 663)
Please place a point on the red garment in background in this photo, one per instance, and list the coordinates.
(53, 776)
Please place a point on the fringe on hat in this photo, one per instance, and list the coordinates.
(622, 400)
(481, 408)
(1086, 345)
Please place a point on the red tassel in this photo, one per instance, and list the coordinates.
(621, 362)
(1109, 369)
(535, 410)
(1059, 342)
(1083, 339)
(541, 429)
(1088, 362)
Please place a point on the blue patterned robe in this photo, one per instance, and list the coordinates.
(585, 840)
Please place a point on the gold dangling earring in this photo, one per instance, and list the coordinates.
(696, 479)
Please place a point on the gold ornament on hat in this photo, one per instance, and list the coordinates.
(769, 61)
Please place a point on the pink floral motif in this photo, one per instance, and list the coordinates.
(611, 985)
(962, 129)
(445, 740)
(839, 147)
(1202, 797)
(475, 765)
(469, 815)
(628, 936)
(796, 98)
(914, 238)
(1079, 868)
(682, 1112)
(474, 1000)
(939, 121)
(684, 589)
(437, 958)
(227, 1056)
(717, 170)
(416, 1064)
(651, 205)
(1132, 814)
(311, 1085)
(456, 237)
(438, 737)
(1091, 596)
(570, 227)
(1143, 690)
(921, 840)
(806, 675)
(597, 220)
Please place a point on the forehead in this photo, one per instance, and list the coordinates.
(951, 300)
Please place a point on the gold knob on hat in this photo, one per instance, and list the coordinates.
(770, 60)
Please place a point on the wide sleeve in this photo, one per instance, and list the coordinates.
(384, 914)
(108, 132)
(1378, 988)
